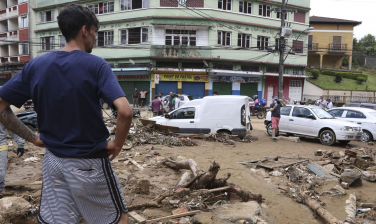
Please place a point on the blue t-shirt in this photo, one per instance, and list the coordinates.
(66, 88)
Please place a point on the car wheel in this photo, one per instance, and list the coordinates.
(261, 115)
(223, 133)
(327, 137)
(269, 130)
(366, 136)
(344, 142)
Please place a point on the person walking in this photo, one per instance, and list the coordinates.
(4, 153)
(135, 96)
(157, 105)
(143, 96)
(66, 87)
(275, 108)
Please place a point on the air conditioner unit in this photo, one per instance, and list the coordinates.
(286, 32)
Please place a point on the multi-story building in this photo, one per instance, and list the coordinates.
(330, 41)
(191, 46)
(14, 37)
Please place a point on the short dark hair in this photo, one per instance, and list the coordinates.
(73, 17)
(215, 92)
(155, 97)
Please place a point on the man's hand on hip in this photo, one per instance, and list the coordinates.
(112, 150)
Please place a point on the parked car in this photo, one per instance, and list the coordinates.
(312, 121)
(29, 118)
(363, 116)
(183, 100)
(370, 105)
(211, 114)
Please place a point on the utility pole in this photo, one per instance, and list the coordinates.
(281, 48)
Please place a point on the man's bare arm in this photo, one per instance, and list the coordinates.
(15, 125)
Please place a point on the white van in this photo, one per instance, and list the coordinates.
(211, 114)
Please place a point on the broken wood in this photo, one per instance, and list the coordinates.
(318, 209)
(137, 217)
(350, 208)
(136, 164)
(281, 163)
(173, 216)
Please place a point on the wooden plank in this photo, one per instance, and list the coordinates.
(173, 216)
(136, 164)
(271, 165)
(137, 217)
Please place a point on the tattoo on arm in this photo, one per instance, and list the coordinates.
(15, 125)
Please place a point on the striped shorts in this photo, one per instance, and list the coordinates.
(75, 187)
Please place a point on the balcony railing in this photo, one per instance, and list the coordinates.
(180, 51)
(313, 47)
(338, 47)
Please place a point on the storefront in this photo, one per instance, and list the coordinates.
(236, 85)
(129, 80)
(195, 85)
(292, 88)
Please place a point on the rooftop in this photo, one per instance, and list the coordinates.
(319, 19)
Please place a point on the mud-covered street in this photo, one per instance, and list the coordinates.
(279, 204)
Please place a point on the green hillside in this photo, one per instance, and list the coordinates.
(327, 82)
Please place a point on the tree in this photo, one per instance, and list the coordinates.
(367, 45)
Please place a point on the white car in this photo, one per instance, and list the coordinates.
(211, 114)
(363, 116)
(312, 121)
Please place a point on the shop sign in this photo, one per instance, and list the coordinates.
(181, 77)
(235, 79)
(133, 77)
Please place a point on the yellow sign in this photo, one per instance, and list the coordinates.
(183, 77)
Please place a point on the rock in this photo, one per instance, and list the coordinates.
(276, 173)
(371, 168)
(318, 153)
(350, 153)
(369, 175)
(184, 220)
(351, 176)
(338, 190)
(143, 186)
(341, 153)
(203, 217)
(336, 155)
(247, 211)
(345, 185)
(361, 163)
(13, 208)
(181, 192)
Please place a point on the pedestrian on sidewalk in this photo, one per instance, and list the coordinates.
(66, 87)
(135, 96)
(4, 153)
(143, 96)
(275, 108)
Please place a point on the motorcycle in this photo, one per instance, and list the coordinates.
(260, 111)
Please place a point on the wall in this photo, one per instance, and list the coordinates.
(311, 89)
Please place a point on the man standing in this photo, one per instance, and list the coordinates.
(275, 108)
(157, 105)
(330, 104)
(66, 87)
(322, 103)
(160, 96)
(4, 153)
(177, 102)
(170, 105)
(135, 97)
(143, 96)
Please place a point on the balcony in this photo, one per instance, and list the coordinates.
(180, 51)
(313, 47)
(338, 48)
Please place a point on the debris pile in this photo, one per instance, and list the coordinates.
(303, 179)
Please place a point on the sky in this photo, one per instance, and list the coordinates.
(358, 10)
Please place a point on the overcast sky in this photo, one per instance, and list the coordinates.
(358, 10)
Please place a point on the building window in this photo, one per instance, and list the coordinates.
(195, 3)
(224, 38)
(102, 8)
(47, 16)
(62, 41)
(133, 4)
(300, 17)
(48, 43)
(297, 72)
(224, 4)
(262, 42)
(297, 46)
(168, 3)
(180, 37)
(24, 22)
(24, 48)
(245, 7)
(134, 36)
(105, 38)
(244, 40)
(264, 10)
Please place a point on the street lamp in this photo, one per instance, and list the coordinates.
(309, 28)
